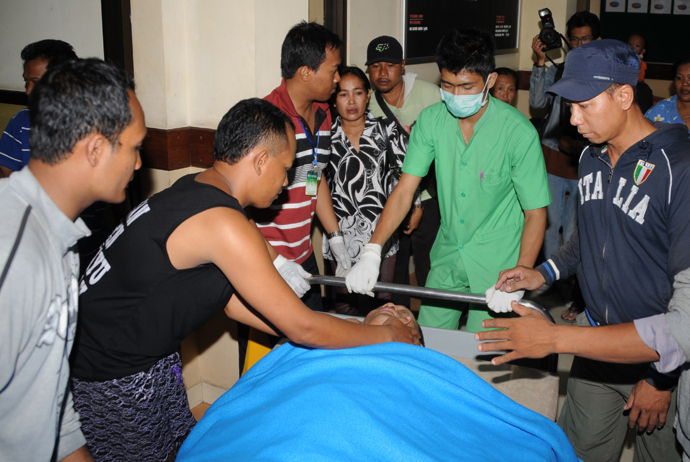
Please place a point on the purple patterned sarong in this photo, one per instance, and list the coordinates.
(142, 417)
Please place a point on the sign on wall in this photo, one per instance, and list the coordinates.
(427, 21)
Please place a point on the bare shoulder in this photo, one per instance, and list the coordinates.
(200, 238)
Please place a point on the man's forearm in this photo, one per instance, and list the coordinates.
(396, 209)
(238, 310)
(532, 236)
(618, 343)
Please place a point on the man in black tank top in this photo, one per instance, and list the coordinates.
(178, 259)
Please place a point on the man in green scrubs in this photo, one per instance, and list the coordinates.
(492, 183)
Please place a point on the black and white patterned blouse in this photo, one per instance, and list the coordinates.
(360, 181)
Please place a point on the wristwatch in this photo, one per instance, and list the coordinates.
(334, 234)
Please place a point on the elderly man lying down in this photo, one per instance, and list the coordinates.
(388, 402)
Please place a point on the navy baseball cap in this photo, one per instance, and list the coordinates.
(593, 67)
(384, 49)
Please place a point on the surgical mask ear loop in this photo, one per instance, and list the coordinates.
(484, 101)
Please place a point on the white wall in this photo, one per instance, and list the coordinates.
(77, 22)
(194, 59)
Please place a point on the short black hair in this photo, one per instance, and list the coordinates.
(583, 19)
(468, 50)
(247, 124)
(356, 71)
(72, 100)
(507, 71)
(681, 61)
(53, 51)
(306, 45)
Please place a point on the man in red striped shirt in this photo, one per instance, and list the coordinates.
(310, 58)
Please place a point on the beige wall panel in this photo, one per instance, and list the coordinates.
(316, 11)
(367, 20)
(530, 25)
(155, 180)
(191, 361)
(662, 88)
(77, 22)
(178, 66)
(218, 348)
(220, 58)
(7, 111)
(273, 21)
(522, 102)
(148, 52)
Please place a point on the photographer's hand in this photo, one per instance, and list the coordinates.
(537, 46)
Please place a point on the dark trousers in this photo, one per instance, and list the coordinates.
(419, 244)
(312, 299)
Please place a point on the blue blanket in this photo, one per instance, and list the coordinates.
(389, 402)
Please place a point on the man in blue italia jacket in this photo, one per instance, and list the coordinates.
(631, 242)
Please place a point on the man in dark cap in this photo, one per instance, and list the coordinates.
(629, 253)
(401, 96)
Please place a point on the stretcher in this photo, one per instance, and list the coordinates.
(532, 383)
(448, 342)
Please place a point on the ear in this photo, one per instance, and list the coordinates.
(402, 68)
(368, 96)
(304, 73)
(492, 80)
(260, 158)
(96, 146)
(626, 95)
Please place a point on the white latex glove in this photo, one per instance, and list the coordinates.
(499, 301)
(365, 273)
(341, 256)
(293, 274)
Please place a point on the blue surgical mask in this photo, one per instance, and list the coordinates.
(463, 106)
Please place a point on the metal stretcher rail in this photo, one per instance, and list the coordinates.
(424, 292)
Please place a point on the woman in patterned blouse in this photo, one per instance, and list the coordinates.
(359, 176)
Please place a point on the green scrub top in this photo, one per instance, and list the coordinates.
(483, 188)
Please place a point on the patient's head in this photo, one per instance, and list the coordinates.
(389, 311)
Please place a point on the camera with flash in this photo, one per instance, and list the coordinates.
(548, 35)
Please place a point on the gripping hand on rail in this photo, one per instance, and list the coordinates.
(519, 278)
(531, 335)
(499, 301)
(341, 256)
(293, 274)
(365, 273)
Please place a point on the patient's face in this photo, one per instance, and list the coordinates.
(389, 311)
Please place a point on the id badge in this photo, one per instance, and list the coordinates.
(312, 182)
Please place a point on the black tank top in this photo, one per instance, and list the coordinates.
(134, 306)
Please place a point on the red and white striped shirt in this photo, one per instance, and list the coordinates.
(286, 224)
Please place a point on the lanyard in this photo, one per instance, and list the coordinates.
(311, 143)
